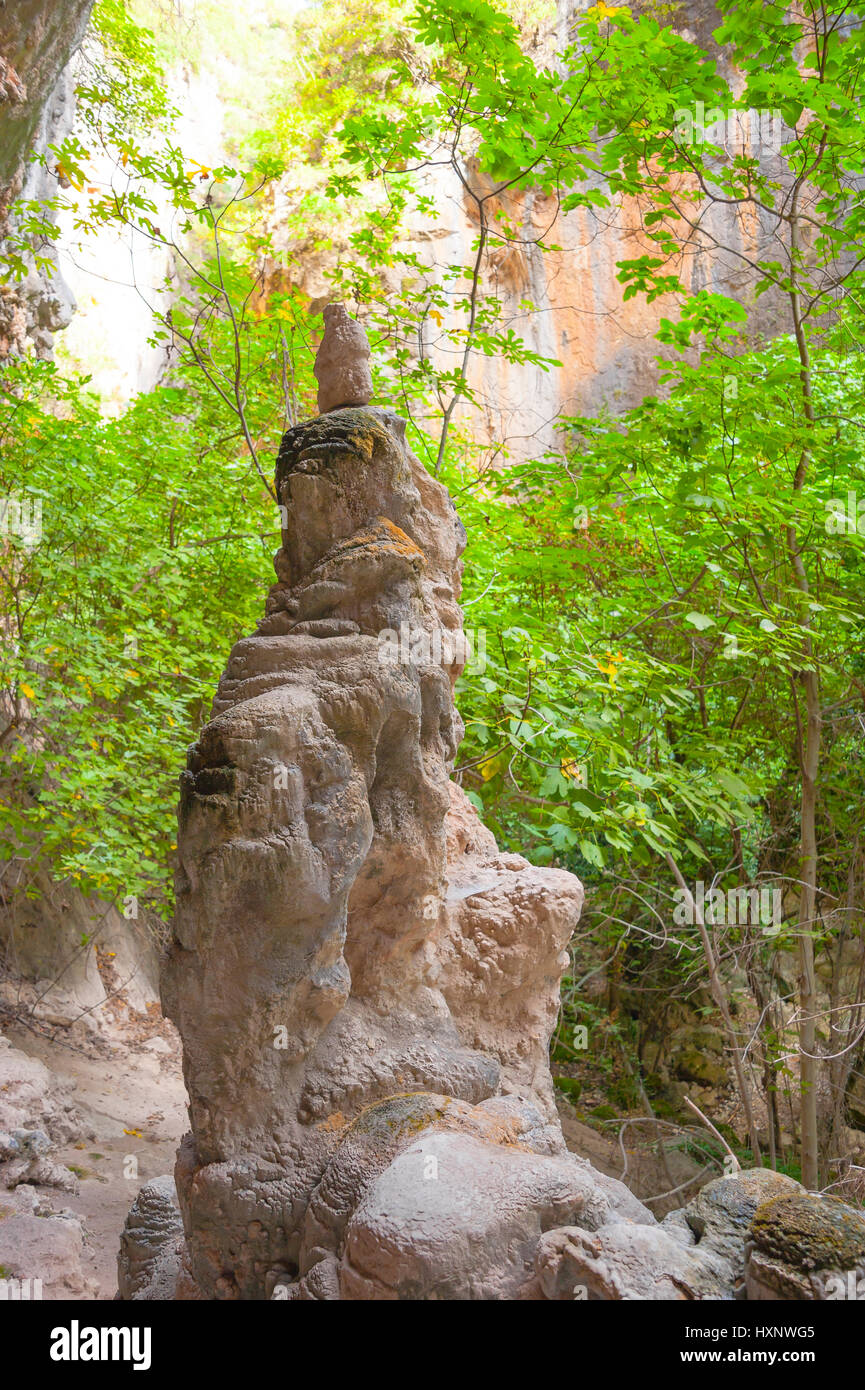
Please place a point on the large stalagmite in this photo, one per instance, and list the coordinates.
(365, 988)
(320, 964)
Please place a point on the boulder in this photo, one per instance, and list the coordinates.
(342, 363)
(41, 1251)
(805, 1246)
(34, 1106)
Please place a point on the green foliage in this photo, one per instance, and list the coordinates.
(348, 58)
(642, 640)
(126, 79)
(121, 99)
(153, 556)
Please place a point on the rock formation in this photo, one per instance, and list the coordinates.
(364, 986)
(38, 38)
(342, 362)
(38, 1241)
(802, 1245)
(320, 965)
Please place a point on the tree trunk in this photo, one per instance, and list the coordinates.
(809, 766)
(720, 998)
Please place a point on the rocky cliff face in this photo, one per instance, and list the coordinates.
(38, 38)
(568, 304)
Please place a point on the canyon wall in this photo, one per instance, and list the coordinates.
(568, 303)
(38, 40)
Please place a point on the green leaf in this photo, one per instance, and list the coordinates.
(699, 620)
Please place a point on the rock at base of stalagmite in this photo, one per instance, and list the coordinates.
(342, 367)
(804, 1246)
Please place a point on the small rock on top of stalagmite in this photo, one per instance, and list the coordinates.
(342, 362)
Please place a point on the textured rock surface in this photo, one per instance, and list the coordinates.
(42, 1172)
(428, 1198)
(725, 1244)
(804, 1246)
(37, 1242)
(503, 953)
(364, 986)
(35, 1116)
(151, 1246)
(32, 1101)
(38, 1245)
(325, 956)
(56, 941)
(342, 362)
(455, 1217)
(624, 1261)
(37, 40)
(721, 1213)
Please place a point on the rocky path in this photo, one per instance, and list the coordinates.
(127, 1090)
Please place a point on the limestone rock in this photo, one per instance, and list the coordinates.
(37, 1244)
(697, 1252)
(151, 1246)
(328, 955)
(43, 1172)
(33, 1143)
(454, 1217)
(803, 1245)
(504, 952)
(721, 1213)
(342, 362)
(31, 1101)
(429, 1198)
(626, 1261)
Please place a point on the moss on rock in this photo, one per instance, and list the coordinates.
(810, 1231)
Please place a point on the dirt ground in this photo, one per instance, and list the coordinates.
(130, 1094)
